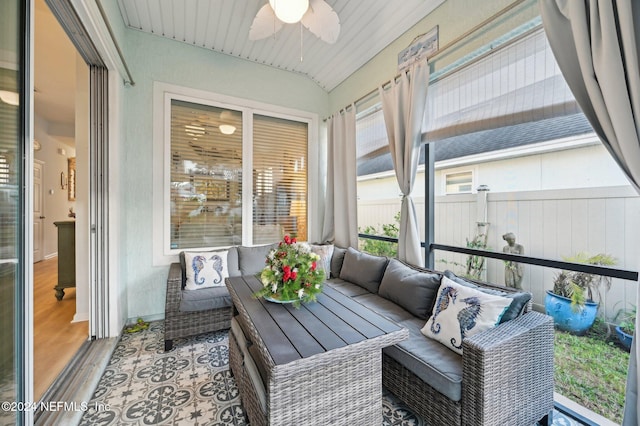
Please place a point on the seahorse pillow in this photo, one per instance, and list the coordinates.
(206, 269)
(461, 312)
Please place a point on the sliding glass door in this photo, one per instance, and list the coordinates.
(14, 167)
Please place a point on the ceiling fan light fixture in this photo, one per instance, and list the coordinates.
(227, 129)
(11, 98)
(289, 11)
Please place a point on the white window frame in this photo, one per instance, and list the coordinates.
(163, 93)
(448, 173)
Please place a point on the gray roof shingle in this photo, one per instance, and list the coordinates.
(491, 140)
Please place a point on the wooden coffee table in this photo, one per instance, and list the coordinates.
(321, 364)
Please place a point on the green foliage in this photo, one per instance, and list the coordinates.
(580, 286)
(592, 370)
(474, 265)
(627, 320)
(381, 248)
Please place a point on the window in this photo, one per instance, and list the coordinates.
(280, 176)
(235, 171)
(206, 176)
(459, 183)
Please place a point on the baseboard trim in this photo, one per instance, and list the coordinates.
(76, 384)
(79, 317)
(51, 256)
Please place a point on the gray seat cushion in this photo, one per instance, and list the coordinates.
(363, 269)
(384, 307)
(346, 288)
(205, 299)
(415, 290)
(428, 359)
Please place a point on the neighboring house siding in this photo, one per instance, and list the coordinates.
(578, 167)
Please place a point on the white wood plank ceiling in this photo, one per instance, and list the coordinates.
(367, 26)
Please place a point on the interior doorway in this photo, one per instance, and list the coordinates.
(61, 120)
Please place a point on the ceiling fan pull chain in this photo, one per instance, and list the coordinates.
(301, 58)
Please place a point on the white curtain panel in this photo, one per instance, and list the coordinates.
(341, 210)
(596, 46)
(403, 106)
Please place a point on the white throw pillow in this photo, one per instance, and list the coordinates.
(461, 312)
(325, 251)
(207, 269)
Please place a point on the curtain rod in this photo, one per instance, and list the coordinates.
(129, 79)
(442, 49)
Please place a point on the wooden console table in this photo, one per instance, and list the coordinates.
(66, 256)
(321, 364)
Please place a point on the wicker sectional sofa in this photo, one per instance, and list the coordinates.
(505, 375)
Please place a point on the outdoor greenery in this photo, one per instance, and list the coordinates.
(474, 265)
(580, 286)
(381, 248)
(592, 370)
(627, 320)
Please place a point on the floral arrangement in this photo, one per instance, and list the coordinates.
(292, 273)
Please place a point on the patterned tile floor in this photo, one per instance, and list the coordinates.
(190, 385)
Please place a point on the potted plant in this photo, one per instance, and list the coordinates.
(572, 302)
(626, 327)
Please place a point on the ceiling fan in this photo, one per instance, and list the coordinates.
(316, 15)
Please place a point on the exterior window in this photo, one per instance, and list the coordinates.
(459, 183)
(210, 156)
(280, 179)
(206, 176)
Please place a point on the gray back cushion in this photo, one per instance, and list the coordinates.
(409, 288)
(363, 269)
(232, 262)
(336, 261)
(252, 260)
(517, 307)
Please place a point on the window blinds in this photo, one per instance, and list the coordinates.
(206, 176)
(279, 179)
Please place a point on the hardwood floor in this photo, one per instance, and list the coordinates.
(56, 338)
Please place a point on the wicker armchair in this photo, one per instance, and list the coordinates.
(507, 378)
(182, 324)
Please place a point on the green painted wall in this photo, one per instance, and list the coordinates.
(151, 58)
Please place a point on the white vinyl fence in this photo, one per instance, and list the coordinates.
(550, 224)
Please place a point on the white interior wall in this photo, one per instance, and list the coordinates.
(55, 199)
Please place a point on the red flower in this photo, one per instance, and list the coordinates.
(293, 241)
(287, 240)
(314, 265)
(286, 273)
(294, 274)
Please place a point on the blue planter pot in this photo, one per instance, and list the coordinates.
(624, 338)
(565, 318)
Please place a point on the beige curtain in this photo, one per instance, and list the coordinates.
(596, 46)
(340, 214)
(403, 106)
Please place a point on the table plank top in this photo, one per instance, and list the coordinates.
(334, 321)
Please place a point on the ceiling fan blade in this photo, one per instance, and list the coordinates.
(322, 21)
(265, 24)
